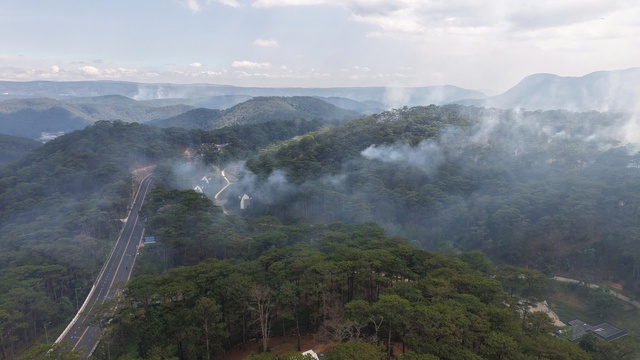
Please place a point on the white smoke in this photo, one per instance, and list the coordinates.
(396, 97)
(269, 191)
(334, 180)
(426, 156)
(150, 92)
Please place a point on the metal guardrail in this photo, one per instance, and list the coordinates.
(104, 266)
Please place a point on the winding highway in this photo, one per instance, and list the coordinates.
(83, 332)
(221, 190)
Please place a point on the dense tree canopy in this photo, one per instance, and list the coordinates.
(12, 148)
(60, 206)
(553, 190)
(349, 284)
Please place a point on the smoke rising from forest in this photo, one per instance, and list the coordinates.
(422, 189)
(270, 191)
(426, 156)
(437, 188)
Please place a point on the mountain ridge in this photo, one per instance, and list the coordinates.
(33, 116)
(597, 91)
(258, 110)
(390, 96)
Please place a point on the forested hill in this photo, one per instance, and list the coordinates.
(208, 102)
(554, 190)
(60, 204)
(200, 118)
(31, 117)
(167, 93)
(599, 91)
(59, 207)
(261, 109)
(258, 110)
(12, 148)
(232, 279)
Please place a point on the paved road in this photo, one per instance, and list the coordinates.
(83, 333)
(594, 286)
(221, 190)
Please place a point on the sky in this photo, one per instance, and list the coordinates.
(485, 45)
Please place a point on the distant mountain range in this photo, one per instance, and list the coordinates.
(36, 108)
(258, 110)
(31, 118)
(617, 91)
(42, 119)
(211, 102)
(206, 95)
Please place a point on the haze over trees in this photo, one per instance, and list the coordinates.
(61, 205)
(258, 110)
(553, 190)
(343, 235)
(597, 91)
(28, 109)
(12, 148)
(39, 118)
(349, 284)
(31, 117)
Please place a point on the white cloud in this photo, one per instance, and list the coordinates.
(106, 73)
(549, 13)
(195, 65)
(90, 70)
(124, 71)
(55, 69)
(274, 3)
(193, 5)
(470, 17)
(231, 3)
(250, 65)
(266, 42)
(198, 5)
(509, 39)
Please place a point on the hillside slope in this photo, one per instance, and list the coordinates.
(528, 188)
(258, 110)
(388, 96)
(12, 148)
(61, 202)
(598, 91)
(32, 117)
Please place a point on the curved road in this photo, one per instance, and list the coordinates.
(221, 190)
(83, 333)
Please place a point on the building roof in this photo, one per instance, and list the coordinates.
(579, 328)
(604, 331)
(607, 332)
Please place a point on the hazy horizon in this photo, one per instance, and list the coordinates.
(316, 43)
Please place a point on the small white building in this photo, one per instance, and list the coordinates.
(245, 202)
(312, 353)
